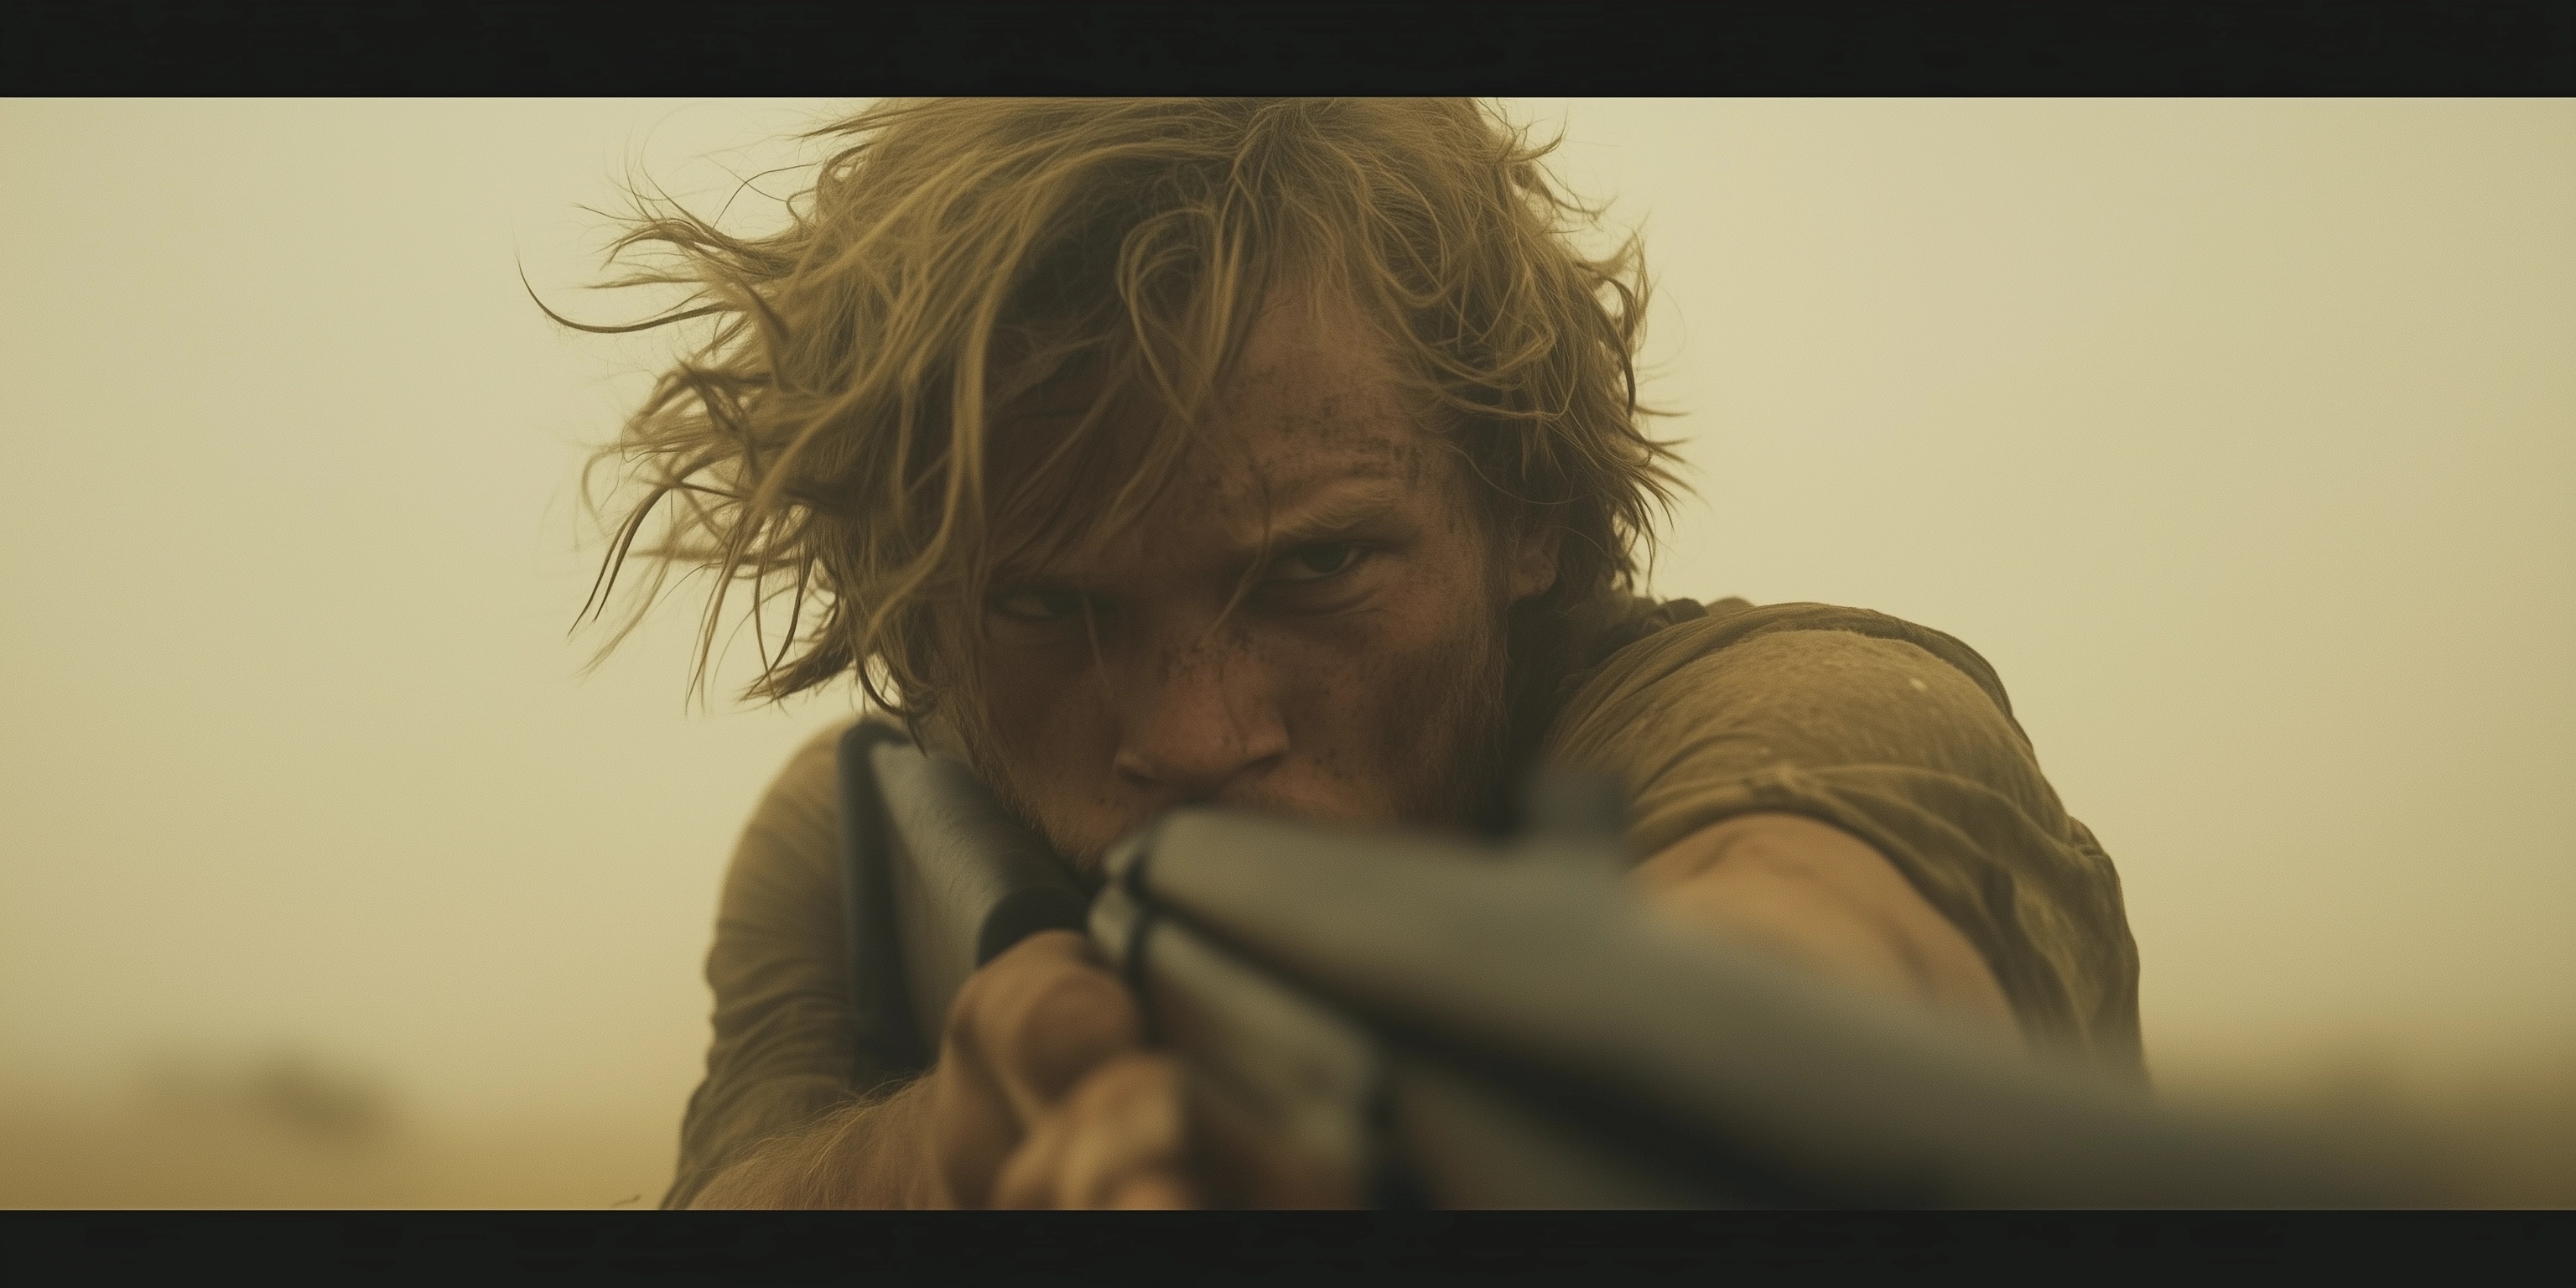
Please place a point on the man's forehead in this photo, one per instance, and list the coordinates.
(1218, 514)
(1273, 435)
(1303, 439)
(1310, 429)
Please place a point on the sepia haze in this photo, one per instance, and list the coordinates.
(2239, 435)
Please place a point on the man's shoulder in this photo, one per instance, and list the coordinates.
(802, 802)
(1647, 643)
(1894, 732)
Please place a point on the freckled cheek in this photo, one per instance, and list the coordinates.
(1046, 707)
(1313, 681)
(1353, 690)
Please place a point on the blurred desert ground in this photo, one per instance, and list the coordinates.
(2240, 436)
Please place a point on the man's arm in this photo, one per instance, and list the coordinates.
(1901, 740)
(1823, 897)
(870, 1154)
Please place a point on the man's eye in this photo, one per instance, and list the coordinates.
(1045, 605)
(1316, 562)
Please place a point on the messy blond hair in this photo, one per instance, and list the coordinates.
(828, 438)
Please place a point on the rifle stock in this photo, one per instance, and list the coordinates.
(937, 880)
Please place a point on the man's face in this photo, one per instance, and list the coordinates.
(1359, 679)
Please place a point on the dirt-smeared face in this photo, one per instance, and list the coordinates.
(1361, 678)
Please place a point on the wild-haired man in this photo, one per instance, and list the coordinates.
(1281, 455)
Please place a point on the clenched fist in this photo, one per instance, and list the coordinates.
(1043, 1096)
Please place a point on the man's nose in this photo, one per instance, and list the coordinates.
(1202, 723)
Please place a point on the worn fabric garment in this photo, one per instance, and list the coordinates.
(1898, 734)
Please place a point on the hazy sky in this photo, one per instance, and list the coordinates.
(2239, 436)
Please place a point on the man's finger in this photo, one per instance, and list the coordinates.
(1130, 1125)
(1027, 1178)
(972, 1129)
(1023, 1030)
(1116, 1141)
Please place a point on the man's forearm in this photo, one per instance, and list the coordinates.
(872, 1154)
(1824, 897)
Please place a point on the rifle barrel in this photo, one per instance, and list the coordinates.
(1707, 1063)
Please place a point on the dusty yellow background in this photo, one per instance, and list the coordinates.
(2240, 436)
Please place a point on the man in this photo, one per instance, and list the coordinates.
(1282, 456)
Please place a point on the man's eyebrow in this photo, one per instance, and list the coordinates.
(1333, 508)
(1319, 510)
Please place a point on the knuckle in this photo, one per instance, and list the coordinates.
(992, 1000)
(1042, 1014)
(1127, 1081)
(1069, 1025)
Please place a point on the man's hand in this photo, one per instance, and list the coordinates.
(1044, 1095)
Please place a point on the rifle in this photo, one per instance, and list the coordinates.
(1388, 1019)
